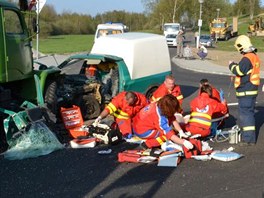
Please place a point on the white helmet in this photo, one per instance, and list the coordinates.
(243, 44)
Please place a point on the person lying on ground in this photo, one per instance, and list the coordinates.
(156, 123)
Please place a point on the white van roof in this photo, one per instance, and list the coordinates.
(111, 26)
(144, 53)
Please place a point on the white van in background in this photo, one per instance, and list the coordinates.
(109, 28)
(170, 31)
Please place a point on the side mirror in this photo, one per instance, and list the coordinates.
(35, 25)
(23, 5)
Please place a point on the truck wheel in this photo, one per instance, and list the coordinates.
(50, 96)
(227, 37)
(90, 107)
(150, 92)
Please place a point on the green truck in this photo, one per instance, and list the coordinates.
(17, 82)
(127, 61)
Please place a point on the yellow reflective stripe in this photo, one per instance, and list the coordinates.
(111, 108)
(238, 71)
(160, 141)
(155, 99)
(249, 72)
(255, 79)
(179, 97)
(255, 76)
(247, 93)
(119, 111)
(237, 81)
(207, 123)
(121, 116)
(249, 128)
(233, 67)
(194, 114)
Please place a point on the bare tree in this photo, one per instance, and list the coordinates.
(174, 10)
(251, 9)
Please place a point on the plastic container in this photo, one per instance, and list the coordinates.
(72, 117)
(77, 132)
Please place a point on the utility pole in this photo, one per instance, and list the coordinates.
(200, 22)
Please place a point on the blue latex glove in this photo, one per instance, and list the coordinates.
(129, 136)
(221, 93)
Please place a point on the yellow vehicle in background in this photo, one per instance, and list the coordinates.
(257, 28)
(220, 29)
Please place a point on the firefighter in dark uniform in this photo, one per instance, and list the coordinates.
(247, 80)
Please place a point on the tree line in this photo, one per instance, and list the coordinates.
(157, 12)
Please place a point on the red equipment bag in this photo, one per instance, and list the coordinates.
(197, 148)
(128, 157)
(71, 117)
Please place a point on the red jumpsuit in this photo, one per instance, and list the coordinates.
(149, 124)
(215, 94)
(124, 112)
(162, 91)
(202, 109)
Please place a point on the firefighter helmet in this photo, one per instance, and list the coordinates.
(243, 44)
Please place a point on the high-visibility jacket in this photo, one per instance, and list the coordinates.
(150, 124)
(91, 70)
(247, 75)
(162, 91)
(120, 108)
(202, 109)
(215, 94)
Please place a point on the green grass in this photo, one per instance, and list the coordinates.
(257, 42)
(243, 23)
(65, 44)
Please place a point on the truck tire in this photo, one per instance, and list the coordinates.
(150, 91)
(227, 37)
(90, 107)
(50, 96)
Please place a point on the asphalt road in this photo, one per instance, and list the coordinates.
(85, 173)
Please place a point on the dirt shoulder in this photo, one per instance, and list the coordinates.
(222, 57)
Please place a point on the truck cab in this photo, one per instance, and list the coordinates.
(109, 28)
(170, 31)
(145, 59)
(220, 29)
(15, 55)
(17, 81)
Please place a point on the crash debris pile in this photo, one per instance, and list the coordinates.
(34, 139)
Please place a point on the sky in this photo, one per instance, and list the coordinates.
(93, 7)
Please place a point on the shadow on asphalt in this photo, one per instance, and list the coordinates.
(188, 90)
(259, 119)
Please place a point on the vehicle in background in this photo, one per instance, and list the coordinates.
(171, 40)
(120, 63)
(171, 28)
(256, 28)
(17, 81)
(170, 31)
(220, 29)
(206, 40)
(109, 28)
(21, 87)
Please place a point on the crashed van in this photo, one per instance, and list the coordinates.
(122, 62)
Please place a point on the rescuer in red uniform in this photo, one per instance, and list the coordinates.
(168, 87)
(154, 123)
(123, 107)
(202, 109)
